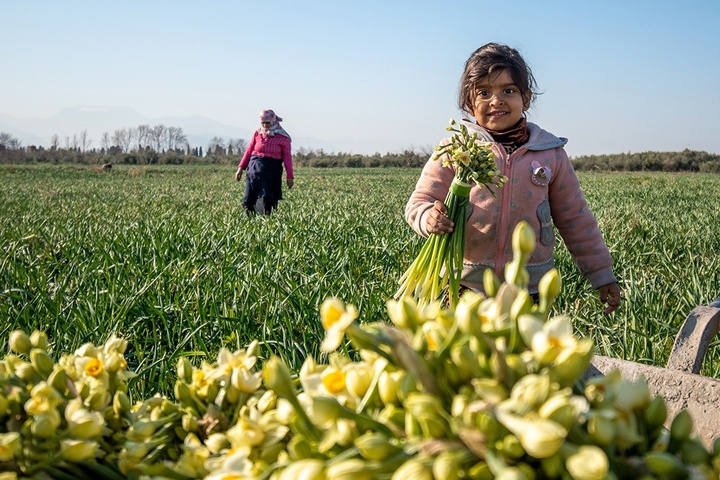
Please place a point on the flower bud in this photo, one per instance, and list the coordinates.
(447, 466)
(41, 362)
(58, 379)
(19, 342)
(39, 340)
(358, 377)
(656, 413)
(403, 313)
(267, 401)
(588, 463)
(375, 446)
(560, 409)
(681, 426)
(388, 385)
(77, 450)
(217, 442)
(351, 469)
(46, 424)
(523, 239)
(634, 395)
(184, 370)
(466, 313)
(189, 423)
(114, 362)
(276, 377)
(305, 469)
(413, 469)
(694, 452)
(10, 445)
(539, 437)
(121, 403)
(665, 465)
(82, 423)
(491, 282)
(26, 372)
(511, 447)
(512, 473)
(549, 288)
(300, 448)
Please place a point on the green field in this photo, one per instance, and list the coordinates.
(166, 257)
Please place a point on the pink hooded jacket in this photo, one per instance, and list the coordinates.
(543, 190)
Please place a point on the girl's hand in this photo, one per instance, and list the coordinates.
(437, 221)
(290, 182)
(610, 294)
(238, 174)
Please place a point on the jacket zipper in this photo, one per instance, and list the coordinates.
(504, 210)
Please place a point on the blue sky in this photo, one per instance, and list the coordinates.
(372, 75)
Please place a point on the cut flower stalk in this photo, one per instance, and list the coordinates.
(438, 267)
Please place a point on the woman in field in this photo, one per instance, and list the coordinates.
(497, 88)
(269, 150)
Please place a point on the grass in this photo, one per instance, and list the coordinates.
(166, 257)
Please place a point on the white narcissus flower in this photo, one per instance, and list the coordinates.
(235, 466)
(336, 317)
(43, 398)
(589, 463)
(247, 432)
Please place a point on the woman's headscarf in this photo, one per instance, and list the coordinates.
(270, 116)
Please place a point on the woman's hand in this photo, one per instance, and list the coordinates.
(610, 294)
(238, 174)
(437, 221)
(290, 182)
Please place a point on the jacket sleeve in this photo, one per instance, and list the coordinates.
(578, 227)
(248, 153)
(433, 184)
(287, 158)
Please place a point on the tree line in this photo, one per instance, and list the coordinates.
(145, 145)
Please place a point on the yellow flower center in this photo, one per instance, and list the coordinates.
(93, 367)
(331, 317)
(334, 382)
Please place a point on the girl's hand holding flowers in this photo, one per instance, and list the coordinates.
(438, 221)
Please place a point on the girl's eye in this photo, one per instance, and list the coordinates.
(509, 91)
(483, 93)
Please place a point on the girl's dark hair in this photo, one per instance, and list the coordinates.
(492, 58)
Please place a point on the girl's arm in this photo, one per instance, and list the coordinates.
(578, 227)
(431, 187)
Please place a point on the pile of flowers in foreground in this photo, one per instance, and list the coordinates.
(492, 389)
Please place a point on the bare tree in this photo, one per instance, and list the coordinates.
(54, 142)
(105, 141)
(123, 138)
(237, 146)
(157, 135)
(7, 141)
(175, 138)
(85, 142)
(143, 136)
(216, 146)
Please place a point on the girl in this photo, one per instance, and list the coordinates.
(497, 88)
(268, 151)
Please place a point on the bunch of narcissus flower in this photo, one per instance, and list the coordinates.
(439, 264)
(490, 390)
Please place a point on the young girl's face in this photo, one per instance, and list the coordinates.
(498, 104)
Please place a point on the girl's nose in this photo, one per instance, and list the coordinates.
(496, 99)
